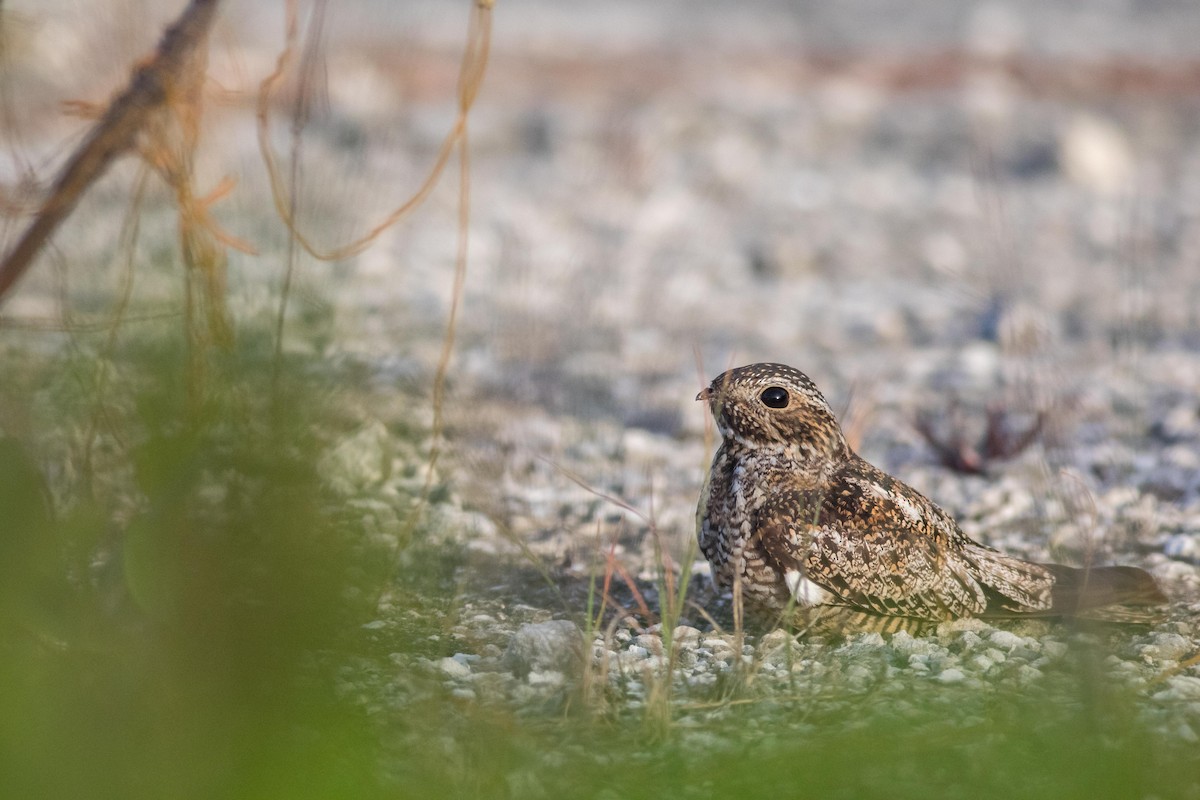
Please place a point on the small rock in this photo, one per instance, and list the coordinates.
(637, 652)
(359, 461)
(721, 649)
(982, 663)
(1054, 650)
(556, 645)
(1183, 687)
(651, 643)
(904, 644)
(1095, 153)
(549, 679)
(972, 624)
(969, 641)
(1184, 546)
(1026, 674)
(858, 675)
(453, 668)
(951, 675)
(770, 641)
(1006, 640)
(1171, 646)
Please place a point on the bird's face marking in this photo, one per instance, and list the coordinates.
(772, 405)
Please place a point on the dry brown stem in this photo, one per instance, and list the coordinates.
(155, 83)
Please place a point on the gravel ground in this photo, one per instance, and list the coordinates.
(938, 214)
(966, 206)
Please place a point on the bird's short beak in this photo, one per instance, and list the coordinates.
(704, 393)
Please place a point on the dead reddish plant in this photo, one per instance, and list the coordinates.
(1001, 439)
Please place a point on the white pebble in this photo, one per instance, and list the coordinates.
(951, 675)
(453, 668)
(1005, 639)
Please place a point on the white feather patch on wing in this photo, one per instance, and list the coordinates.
(805, 591)
(902, 503)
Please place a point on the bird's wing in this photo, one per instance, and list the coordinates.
(873, 548)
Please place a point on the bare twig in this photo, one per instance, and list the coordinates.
(152, 85)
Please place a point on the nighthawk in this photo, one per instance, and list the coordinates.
(791, 518)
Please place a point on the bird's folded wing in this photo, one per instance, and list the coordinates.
(893, 563)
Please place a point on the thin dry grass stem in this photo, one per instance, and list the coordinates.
(300, 115)
(608, 573)
(615, 565)
(1080, 497)
(592, 675)
(130, 230)
(609, 498)
(286, 201)
(169, 145)
(611, 558)
(1001, 251)
(155, 85)
(600, 678)
(527, 553)
(283, 193)
(672, 592)
(460, 279)
(471, 74)
(703, 612)
(1182, 666)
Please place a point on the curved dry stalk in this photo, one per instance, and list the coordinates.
(470, 79)
(471, 74)
(300, 114)
(130, 232)
(151, 88)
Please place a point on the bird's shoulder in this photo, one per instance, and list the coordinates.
(860, 496)
(855, 495)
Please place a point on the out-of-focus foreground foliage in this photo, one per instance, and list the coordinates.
(172, 568)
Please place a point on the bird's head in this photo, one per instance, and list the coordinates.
(773, 406)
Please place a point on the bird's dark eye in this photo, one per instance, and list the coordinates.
(774, 397)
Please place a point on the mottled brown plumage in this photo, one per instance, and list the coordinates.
(794, 518)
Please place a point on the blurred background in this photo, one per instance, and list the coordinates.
(990, 205)
(934, 209)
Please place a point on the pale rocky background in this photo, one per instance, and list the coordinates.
(918, 205)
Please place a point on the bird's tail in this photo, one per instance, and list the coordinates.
(1109, 594)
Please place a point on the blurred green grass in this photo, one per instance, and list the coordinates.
(172, 563)
(182, 602)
